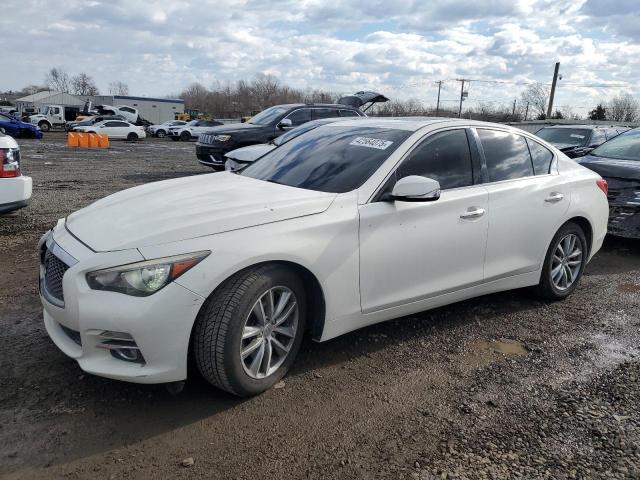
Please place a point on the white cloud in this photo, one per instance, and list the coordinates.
(400, 47)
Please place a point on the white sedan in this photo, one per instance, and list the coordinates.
(115, 129)
(191, 130)
(353, 223)
(15, 188)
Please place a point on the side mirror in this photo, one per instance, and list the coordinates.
(285, 123)
(415, 188)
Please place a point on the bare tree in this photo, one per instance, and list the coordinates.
(536, 95)
(57, 80)
(31, 89)
(623, 108)
(83, 84)
(118, 88)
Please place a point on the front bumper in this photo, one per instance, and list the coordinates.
(159, 324)
(211, 155)
(15, 193)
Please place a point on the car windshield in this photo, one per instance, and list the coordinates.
(267, 116)
(88, 121)
(565, 136)
(328, 159)
(622, 147)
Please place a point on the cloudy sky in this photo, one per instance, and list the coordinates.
(398, 47)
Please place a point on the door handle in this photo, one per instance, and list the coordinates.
(554, 197)
(473, 212)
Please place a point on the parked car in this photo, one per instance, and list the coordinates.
(353, 223)
(161, 130)
(15, 188)
(269, 124)
(618, 162)
(115, 129)
(92, 120)
(130, 114)
(241, 157)
(191, 129)
(578, 140)
(10, 125)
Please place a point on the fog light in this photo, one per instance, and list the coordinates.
(121, 346)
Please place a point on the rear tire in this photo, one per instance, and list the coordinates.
(238, 319)
(564, 263)
(132, 137)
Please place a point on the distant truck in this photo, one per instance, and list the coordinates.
(54, 116)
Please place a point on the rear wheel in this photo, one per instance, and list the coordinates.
(564, 263)
(249, 331)
(185, 136)
(161, 134)
(132, 137)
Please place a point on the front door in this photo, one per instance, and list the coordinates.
(411, 251)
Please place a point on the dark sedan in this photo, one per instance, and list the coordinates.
(578, 140)
(618, 162)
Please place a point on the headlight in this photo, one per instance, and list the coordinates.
(221, 138)
(142, 279)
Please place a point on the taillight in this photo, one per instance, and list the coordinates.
(9, 162)
(603, 185)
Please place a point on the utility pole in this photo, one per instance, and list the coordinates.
(513, 112)
(526, 112)
(439, 82)
(553, 89)
(461, 97)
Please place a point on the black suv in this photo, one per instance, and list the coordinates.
(578, 140)
(273, 122)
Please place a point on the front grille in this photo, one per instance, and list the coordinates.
(54, 270)
(206, 138)
(72, 334)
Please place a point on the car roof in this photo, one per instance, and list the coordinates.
(326, 105)
(587, 127)
(414, 123)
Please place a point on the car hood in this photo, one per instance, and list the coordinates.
(250, 153)
(612, 168)
(235, 128)
(189, 207)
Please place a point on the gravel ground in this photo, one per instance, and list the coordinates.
(503, 386)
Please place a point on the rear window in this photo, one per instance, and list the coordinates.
(623, 147)
(506, 154)
(329, 158)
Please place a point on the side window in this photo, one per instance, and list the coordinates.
(598, 137)
(506, 154)
(300, 116)
(319, 113)
(111, 124)
(127, 109)
(444, 156)
(121, 124)
(611, 132)
(348, 113)
(541, 157)
(55, 110)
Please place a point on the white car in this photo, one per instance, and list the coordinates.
(191, 130)
(353, 223)
(115, 129)
(15, 188)
(130, 114)
(161, 130)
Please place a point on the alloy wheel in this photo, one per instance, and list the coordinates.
(566, 262)
(269, 332)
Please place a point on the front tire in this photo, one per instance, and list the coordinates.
(44, 126)
(185, 136)
(249, 331)
(564, 263)
(161, 134)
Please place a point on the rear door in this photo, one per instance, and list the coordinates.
(323, 112)
(527, 201)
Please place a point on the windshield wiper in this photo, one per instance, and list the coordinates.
(271, 180)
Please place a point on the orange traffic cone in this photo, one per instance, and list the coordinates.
(94, 141)
(103, 140)
(72, 139)
(83, 140)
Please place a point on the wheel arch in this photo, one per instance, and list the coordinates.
(587, 228)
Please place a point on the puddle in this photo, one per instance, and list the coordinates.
(629, 288)
(484, 352)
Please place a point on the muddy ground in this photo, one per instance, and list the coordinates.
(502, 386)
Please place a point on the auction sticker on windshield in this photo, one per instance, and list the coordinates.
(371, 143)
